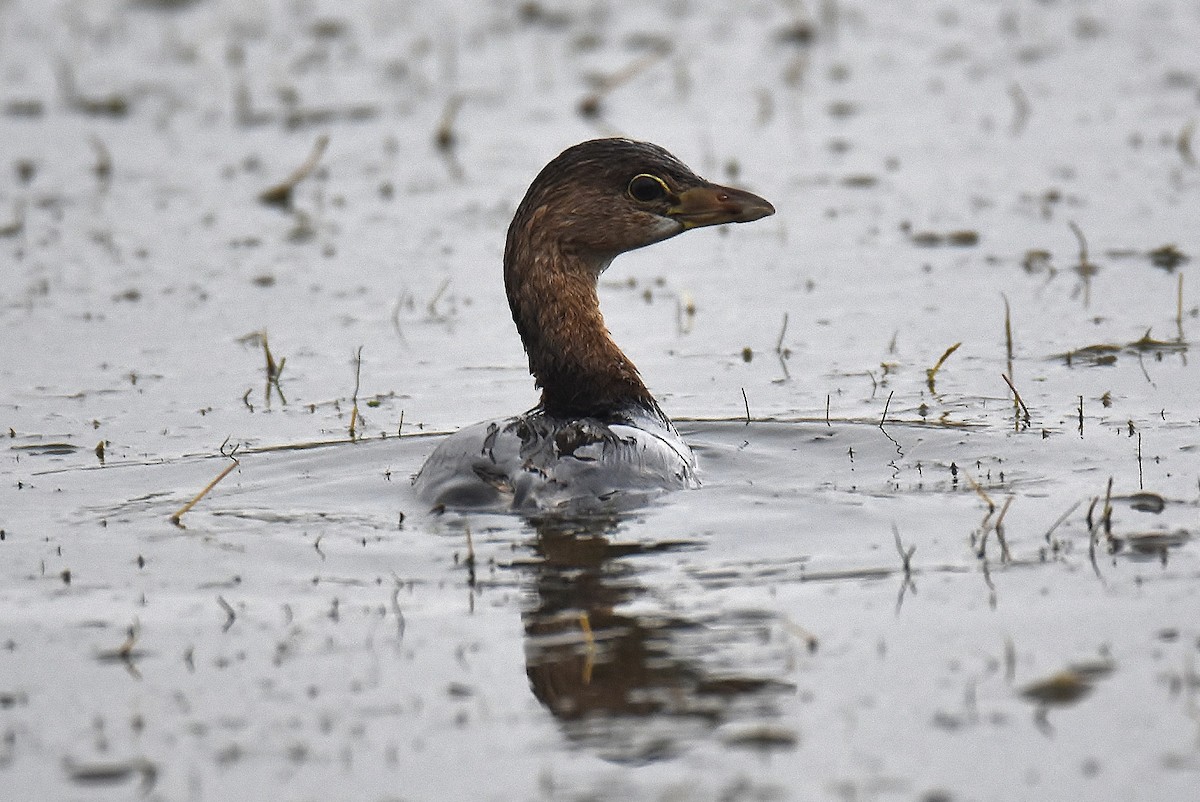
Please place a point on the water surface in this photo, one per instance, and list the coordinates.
(892, 585)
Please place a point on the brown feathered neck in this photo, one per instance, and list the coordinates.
(573, 358)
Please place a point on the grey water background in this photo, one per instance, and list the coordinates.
(933, 608)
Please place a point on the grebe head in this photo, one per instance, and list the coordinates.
(594, 201)
(604, 197)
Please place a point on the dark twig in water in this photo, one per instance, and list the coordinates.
(470, 560)
(126, 654)
(176, 518)
(445, 138)
(783, 353)
(125, 650)
(1092, 537)
(281, 194)
(1018, 403)
(1105, 522)
(1080, 417)
(1142, 364)
(111, 773)
(746, 402)
(986, 525)
(991, 586)
(870, 374)
(905, 554)
(985, 529)
(230, 614)
(906, 566)
(1083, 249)
(827, 423)
(437, 296)
(1106, 517)
(886, 404)
(883, 419)
(1008, 338)
(1059, 522)
(274, 370)
(1091, 533)
(1005, 556)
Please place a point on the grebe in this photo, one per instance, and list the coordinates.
(597, 435)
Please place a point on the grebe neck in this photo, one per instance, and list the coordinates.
(573, 358)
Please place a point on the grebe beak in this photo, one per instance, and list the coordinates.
(713, 204)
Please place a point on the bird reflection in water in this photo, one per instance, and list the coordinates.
(599, 666)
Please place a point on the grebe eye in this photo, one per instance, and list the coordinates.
(646, 188)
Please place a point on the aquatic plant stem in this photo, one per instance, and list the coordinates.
(281, 194)
(1179, 309)
(1141, 485)
(175, 519)
(354, 397)
(931, 373)
(1017, 403)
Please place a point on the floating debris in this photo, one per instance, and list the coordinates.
(762, 736)
(1037, 261)
(47, 449)
(965, 238)
(860, 181)
(800, 32)
(1063, 688)
(1104, 354)
(1168, 257)
(1147, 502)
(111, 773)
(1156, 543)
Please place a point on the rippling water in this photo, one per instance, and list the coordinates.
(897, 581)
